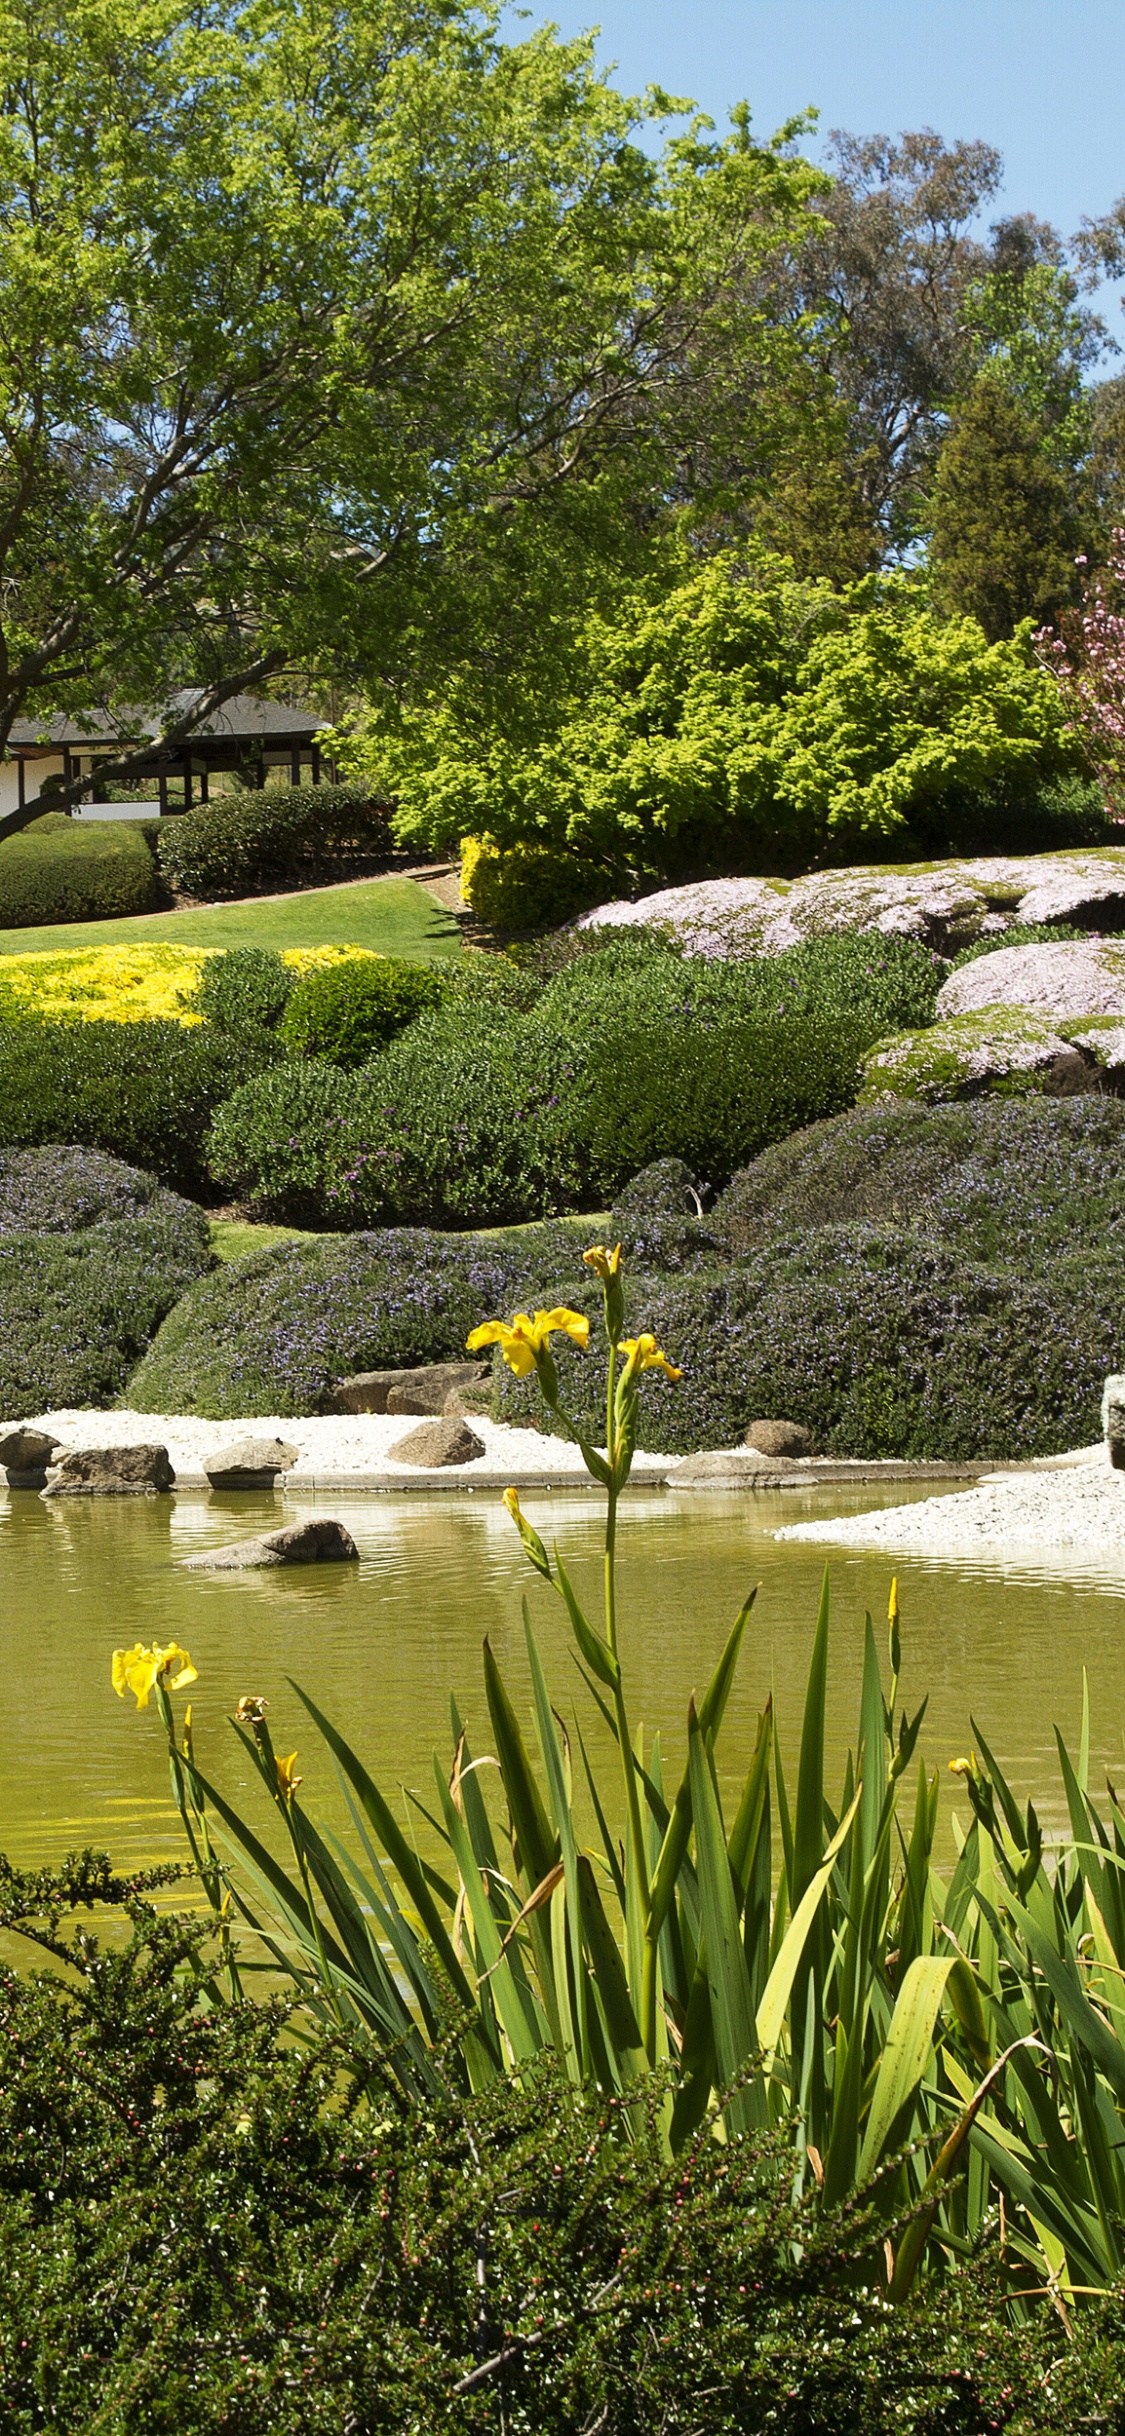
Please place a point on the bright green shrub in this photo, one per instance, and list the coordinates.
(274, 1332)
(244, 989)
(142, 1091)
(92, 1257)
(268, 836)
(62, 870)
(347, 1011)
(746, 721)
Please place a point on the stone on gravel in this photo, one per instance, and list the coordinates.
(437, 1445)
(110, 1471)
(720, 1468)
(947, 904)
(422, 1390)
(1113, 1418)
(778, 1438)
(320, 1541)
(1062, 976)
(250, 1463)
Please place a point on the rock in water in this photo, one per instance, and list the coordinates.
(320, 1541)
(110, 1471)
(720, 1468)
(778, 1438)
(1113, 1418)
(251, 1463)
(25, 1454)
(438, 1444)
(422, 1390)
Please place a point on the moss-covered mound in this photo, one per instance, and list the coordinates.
(92, 1256)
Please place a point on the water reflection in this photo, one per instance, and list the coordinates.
(385, 1644)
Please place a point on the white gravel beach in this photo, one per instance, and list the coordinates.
(348, 1451)
(1077, 1508)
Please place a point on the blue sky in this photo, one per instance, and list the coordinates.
(1044, 83)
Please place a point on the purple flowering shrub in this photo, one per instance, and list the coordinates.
(144, 1092)
(273, 1333)
(92, 1257)
(880, 1341)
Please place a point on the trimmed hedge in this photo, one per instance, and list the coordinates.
(266, 837)
(1023, 1183)
(273, 1333)
(244, 989)
(92, 1257)
(198, 2237)
(347, 1011)
(144, 1092)
(880, 1341)
(63, 870)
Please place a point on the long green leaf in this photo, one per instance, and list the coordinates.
(732, 2012)
(907, 2052)
(779, 1985)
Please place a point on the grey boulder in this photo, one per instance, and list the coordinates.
(320, 1541)
(110, 1471)
(437, 1445)
(778, 1438)
(721, 1468)
(251, 1463)
(422, 1390)
(25, 1454)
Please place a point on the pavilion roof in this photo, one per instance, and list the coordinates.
(245, 717)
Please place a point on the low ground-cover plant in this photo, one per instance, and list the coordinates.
(272, 1333)
(348, 1011)
(274, 2259)
(92, 1257)
(269, 837)
(143, 1091)
(63, 870)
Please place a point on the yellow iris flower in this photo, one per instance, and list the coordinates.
(138, 1669)
(643, 1353)
(524, 1342)
(606, 1265)
(287, 1782)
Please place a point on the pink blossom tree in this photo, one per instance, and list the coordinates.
(1086, 654)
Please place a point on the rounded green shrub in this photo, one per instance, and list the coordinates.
(92, 1257)
(274, 1332)
(266, 837)
(142, 1091)
(244, 989)
(348, 1011)
(62, 870)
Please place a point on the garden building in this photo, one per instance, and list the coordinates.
(247, 737)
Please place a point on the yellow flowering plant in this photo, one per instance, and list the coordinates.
(126, 984)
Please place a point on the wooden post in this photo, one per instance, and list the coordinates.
(162, 783)
(316, 765)
(21, 780)
(295, 766)
(187, 785)
(204, 783)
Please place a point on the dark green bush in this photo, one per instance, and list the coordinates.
(347, 1011)
(62, 870)
(196, 2237)
(273, 1333)
(269, 836)
(143, 1091)
(92, 1257)
(882, 1342)
(658, 1221)
(1024, 1183)
(244, 989)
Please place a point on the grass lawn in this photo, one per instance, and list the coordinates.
(233, 1238)
(396, 917)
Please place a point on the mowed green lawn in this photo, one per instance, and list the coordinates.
(395, 917)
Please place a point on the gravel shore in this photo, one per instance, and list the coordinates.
(1078, 1508)
(352, 1450)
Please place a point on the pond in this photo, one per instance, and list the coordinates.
(381, 1645)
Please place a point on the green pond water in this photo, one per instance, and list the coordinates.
(381, 1645)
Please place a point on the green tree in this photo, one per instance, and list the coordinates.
(315, 318)
(1003, 534)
